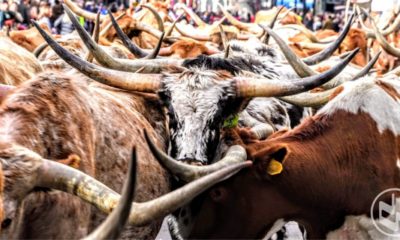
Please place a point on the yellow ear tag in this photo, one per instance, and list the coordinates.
(274, 167)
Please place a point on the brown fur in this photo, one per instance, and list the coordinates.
(333, 166)
(29, 39)
(389, 90)
(56, 116)
(267, 16)
(16, 63)
(356, 38)
(186, 49)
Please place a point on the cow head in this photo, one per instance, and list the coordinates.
(199, 97)
(198, 102)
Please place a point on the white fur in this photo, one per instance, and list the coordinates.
(195, 99)
(366, 96)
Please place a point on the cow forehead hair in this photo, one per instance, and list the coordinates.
(199, 78)
(368, 96)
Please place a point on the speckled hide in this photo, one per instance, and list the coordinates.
(57, 115)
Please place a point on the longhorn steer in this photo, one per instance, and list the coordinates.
(77, 121)
(55, 116)
(333, 165)
(198, 99)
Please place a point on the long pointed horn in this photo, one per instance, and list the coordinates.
(42, 47)
(58, 176)
(254, 28)
(157, 16)
(107, 28)
(188, 173)
(381, 39)
(80, 12)
(118, 64)
(299, 66)
(307, 99)
(310, 35)
(224, 39)
(371, 34)
(132, 47)
(115, 222)
(192, 34)
(252, 87)
(272, 24)
(367, 67)
(329, 50)
(132, 81)
(95, 35)
(171, 28)
(199, 22)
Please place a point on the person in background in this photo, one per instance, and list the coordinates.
(23, 8)
(328, 24)
(63, 25)
(18, 19)
(308, 20)
(317, 23)
(57, 11)
(44, 13)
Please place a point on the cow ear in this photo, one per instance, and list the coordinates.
(272, 160)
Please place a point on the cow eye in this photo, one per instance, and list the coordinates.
(6, 223)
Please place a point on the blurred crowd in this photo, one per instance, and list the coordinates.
(325, 21)
(17, 14)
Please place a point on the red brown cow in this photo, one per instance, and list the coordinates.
(332, 165)
(70, 119)
(29, 39)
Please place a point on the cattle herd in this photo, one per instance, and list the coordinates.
(228, 131)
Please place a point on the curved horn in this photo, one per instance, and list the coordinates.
(39, 49)
(370, 33)
(132, 47)
(58, 176)
(171, 28)
(157, 16)
(299, 66)
(192, 34)
(199, 22)
(307, 99)
(381, 39)
(241, 25)
(367, 67)
(251, 87)
(109, 25)
(132, 81)
(115, 222)
(80, 12)
(272, 24)
(310, 35)
(329, 50)
(118, 64)
(224, 39)
(95, 35)
(188, 173)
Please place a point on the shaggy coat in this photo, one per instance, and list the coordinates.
(333, 165)
(56, 116)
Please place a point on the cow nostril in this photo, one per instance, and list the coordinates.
(6, 223)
